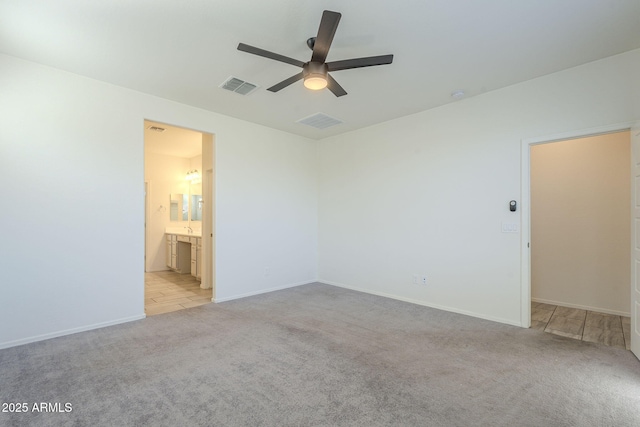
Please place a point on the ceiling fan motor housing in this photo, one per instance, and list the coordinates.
(315, 68)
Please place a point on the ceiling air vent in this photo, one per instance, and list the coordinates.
(319, 121)
(238, 86)
(156, 129)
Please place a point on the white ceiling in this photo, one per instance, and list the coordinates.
(183, 50)
(173, 141)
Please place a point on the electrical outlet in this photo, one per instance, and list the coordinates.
(415, 279)
(423, 280)
(267, 271)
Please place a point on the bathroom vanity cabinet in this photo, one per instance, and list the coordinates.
(196, 262)
(184, 254)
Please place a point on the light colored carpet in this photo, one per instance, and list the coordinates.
(318, 355)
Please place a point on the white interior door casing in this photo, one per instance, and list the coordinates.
(635, 238)
(635, 220)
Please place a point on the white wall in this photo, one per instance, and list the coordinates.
(426, 194)
(72, 158)
(581, 223)
(195, 188)
(274, 199)
(165, 175)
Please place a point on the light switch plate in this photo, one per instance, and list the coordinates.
(510, 227)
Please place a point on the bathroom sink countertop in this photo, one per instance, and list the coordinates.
(181, 232)
(188, 234)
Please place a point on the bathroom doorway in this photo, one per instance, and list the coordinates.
(179, 206)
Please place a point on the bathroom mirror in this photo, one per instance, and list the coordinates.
(196, 207)
(179, 207)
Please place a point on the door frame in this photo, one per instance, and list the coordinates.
(209, 209)
(634, 329)
(147, 206)
(208, 247)
(525, 203)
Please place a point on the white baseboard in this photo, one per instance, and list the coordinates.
(262, 291)
(583, 307)
(425, 304)
(69, 331)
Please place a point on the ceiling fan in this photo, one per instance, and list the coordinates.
(316, 72)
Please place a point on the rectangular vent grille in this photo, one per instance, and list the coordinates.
(238, 86)
(319, 121)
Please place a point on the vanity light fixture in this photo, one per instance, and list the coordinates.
(192, 175)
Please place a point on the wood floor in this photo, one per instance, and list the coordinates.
(583, 325)
(166, 291)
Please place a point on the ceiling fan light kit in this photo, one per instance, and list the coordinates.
(315, 72)
(315, 82)
(315, 75)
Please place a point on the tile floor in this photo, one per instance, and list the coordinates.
(166, 291)
(583, 325)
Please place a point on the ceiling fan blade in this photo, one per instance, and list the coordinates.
(286, 82)
(265, 53)
(334, 87)
(360, 62)
(328, 27)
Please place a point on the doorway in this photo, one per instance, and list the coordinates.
(178, 205)
(574, 241)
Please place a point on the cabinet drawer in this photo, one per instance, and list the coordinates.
(184, 239)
